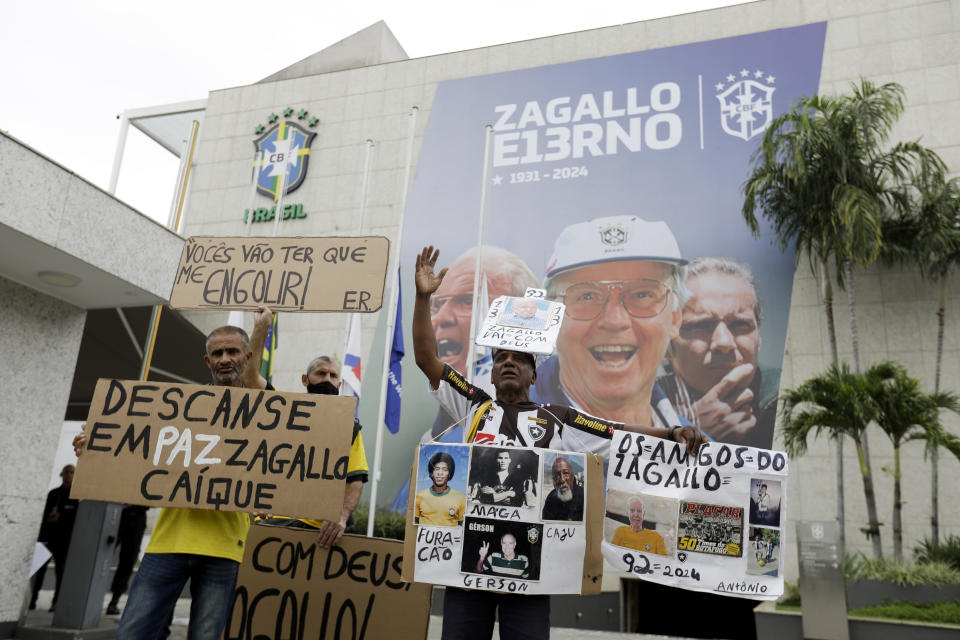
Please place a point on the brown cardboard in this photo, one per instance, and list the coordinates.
(290, 587)
(410, 531)
(238, 445)
(593, 557)
(285, 274)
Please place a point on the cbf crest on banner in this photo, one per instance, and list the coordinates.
(286, 148)
(711, 522)
(746, 102)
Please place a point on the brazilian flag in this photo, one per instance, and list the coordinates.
(269, 349)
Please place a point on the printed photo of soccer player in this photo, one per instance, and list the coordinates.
(714, 377)
(502, 549)
(441, 485)
(525, 312)
(507, 477)
(564, 485)
(765, 497)
(642, 522)
(763, 552)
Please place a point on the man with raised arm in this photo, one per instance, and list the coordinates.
(203, 546)
(509, 419)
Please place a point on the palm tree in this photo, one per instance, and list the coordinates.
(825, 184)
(906, 413)
(836, 403)
(928, 234)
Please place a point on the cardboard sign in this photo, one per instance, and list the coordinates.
(711, 522)
(285, 274)
(530, 324)
(212, 447)
(289, 587)
(502, 523)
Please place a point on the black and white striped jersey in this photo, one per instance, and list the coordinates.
(525, 424)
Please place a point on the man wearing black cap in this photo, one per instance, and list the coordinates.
(510, 419)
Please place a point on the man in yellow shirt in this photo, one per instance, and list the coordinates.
(322, 376)
(635, 536)
(440, 504)
(203, 546)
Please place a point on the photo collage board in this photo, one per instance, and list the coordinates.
(510, 519)
(711, 522)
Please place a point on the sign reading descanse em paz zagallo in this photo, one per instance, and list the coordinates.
(290, 587)
(213, 447)
(710, 522)
(285, 274)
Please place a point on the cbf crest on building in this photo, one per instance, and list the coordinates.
(746, 104)
(283, 147)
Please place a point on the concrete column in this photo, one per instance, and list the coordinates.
(39, 342)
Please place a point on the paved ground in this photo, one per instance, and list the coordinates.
(41, 618)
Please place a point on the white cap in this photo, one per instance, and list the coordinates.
(611, 239)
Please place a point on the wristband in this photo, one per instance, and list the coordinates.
(673, 430)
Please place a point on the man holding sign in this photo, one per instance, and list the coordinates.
(510, 419)
(201, 545)
(323, 377)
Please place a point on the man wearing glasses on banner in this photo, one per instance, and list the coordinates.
(622, 281)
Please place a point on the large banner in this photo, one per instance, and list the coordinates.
(711, 522)
(516, 520)
(615, 183)
(290, 587)
(215, 447)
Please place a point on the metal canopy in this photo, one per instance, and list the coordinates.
(168, 125)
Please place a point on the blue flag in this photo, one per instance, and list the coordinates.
(392, 415)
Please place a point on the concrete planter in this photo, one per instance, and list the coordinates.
(868, 593)
(787, 625)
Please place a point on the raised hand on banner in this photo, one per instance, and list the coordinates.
(427, 281)
(484, 550)
(262, 317)
(726, 410)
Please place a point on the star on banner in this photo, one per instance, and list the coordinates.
(497, 179)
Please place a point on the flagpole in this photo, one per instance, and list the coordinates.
(391, 324)
(279, 205)
(363, 210)
(479, 307)
(257, 164)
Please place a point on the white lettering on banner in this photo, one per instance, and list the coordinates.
(565, 127)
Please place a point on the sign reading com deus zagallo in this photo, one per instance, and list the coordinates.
(710, 522)
(290, 587)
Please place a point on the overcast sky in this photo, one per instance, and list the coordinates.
(69, 67)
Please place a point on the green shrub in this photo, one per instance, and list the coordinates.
(860, 567)
(946, 612)
(388, 524)
(790, 597)
(947, 551)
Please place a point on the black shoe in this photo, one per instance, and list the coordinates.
(112, 609)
